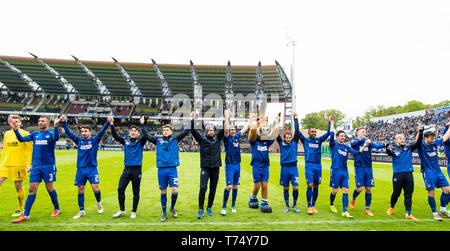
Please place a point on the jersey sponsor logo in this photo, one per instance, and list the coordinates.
(13, 144)
(85, 147)
(41, 142)
(313, 145)
(262, 148)
(341, 152)
(431, 154)
(236, 144)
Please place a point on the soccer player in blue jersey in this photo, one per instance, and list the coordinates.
(447, 151)
(86, 163)
(313, 165)
(261, 137)
(167, 160)
(42, 164)
(288, 163)
(433, 176)
(133, 152)
(232, 161)
(339, 177)
(403, 169)
(447, 148)
(363, 169)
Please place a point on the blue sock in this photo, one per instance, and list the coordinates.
(54, 198)
(81, 201)
(174, 200)
(368, 200)
(295, 196)
(309, 195)
(226, 194)
(355, 194)
(286, 197)
(233, 197)
(315, 194)
(432, 204)
(164, 203)
(29, 203)
(332, 197)
(444, 199)
(98, 196)
(344, 202)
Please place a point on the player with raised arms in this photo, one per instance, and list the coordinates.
(87, 148)
(43, 163)
(288, 163)
(363, 169)
(433, 176)
(210, 163)
(15, 161)
(167, 161)
(261, 137)
(133, 152)
(339, 177)
(313, 163)
(232, 161)
(402, 166)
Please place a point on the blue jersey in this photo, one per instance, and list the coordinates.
(313, 147)
(133, 148)
(288, 151)
(339, 154)
(232, 148)
(429, 156)
(43, 146)
(86, 148)
(402, 156)
(364, 160)
(447, 149)
(166, 148)
(260, 152)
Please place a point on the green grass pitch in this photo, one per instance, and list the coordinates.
(246, 219)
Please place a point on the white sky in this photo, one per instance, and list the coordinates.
(350, 55)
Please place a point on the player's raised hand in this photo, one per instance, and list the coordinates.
(367, 142)
(420, 128)
(63, 118)
(448, 123)
(142, 119)
(110, 119)
(279, 118)
(57, 120)
(192, 115)
(295, 115)
(331, 119)
(227, 113)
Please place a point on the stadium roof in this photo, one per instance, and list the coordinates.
(144, 77)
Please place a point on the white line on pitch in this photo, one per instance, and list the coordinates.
(350, 221)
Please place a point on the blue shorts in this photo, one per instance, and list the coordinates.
(167, 176)
(339, 178)
(434, 180)
(289, 174)
(364, 177)
(313, 173)
(86, 173)
(233, 174)
(46, 173)
(260, 173)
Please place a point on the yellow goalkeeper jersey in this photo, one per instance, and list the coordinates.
(16, 153)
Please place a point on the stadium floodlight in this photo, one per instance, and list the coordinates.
(30, 82)
(166, 93)
(259, 90)
(64, 82)
(229, 93)
(198, 92)
(98, 83)
(134, 90)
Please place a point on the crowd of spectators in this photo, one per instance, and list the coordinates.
(385, 130)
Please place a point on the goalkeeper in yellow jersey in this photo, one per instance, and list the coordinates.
(15, 162)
